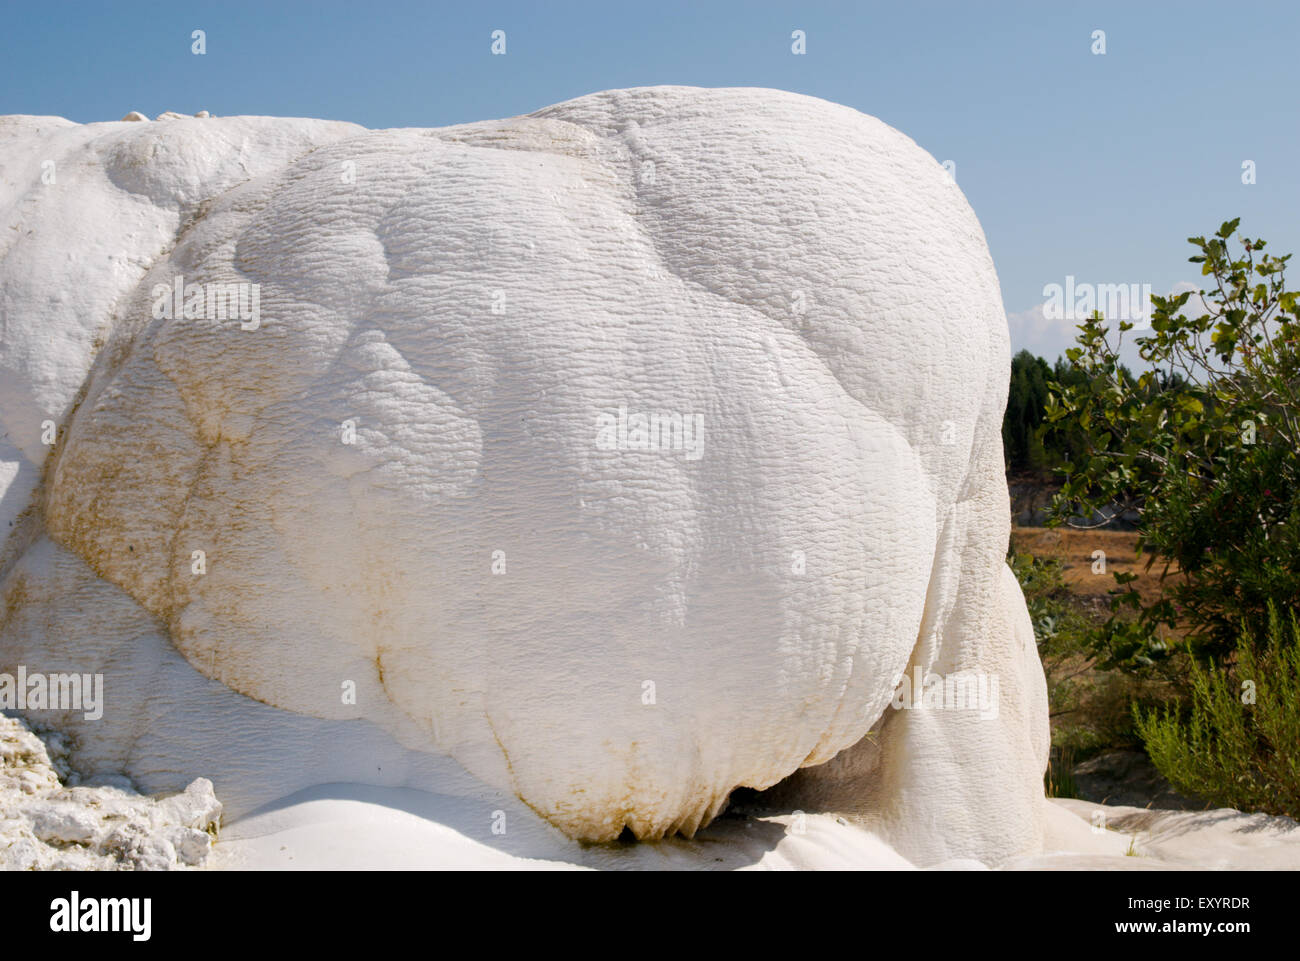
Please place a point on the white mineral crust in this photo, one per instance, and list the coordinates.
(619, 637)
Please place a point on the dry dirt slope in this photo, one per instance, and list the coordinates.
(1081, 570)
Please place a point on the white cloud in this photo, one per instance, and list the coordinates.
(1031, 329)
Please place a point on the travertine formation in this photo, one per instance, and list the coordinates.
(628, 452)
(45, 825)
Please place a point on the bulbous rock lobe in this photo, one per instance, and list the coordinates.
(621, 636)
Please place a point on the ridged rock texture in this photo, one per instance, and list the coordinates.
(418, 472)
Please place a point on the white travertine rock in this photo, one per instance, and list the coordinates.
(618, 636)
(135, 116)
(47, 826)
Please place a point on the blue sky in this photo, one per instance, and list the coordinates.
(1096, 166)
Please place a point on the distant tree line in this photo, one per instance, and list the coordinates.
(1030, 444)
(1027, 445)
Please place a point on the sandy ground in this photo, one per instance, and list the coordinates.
(354, 827)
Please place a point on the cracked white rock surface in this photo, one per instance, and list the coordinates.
(45, 825)
(473, 298)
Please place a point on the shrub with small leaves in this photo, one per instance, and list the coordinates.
(1237, 744)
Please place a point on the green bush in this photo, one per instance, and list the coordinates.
(1091, 709)
(1202, 446)
(1237, 744)
(1060, 627)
